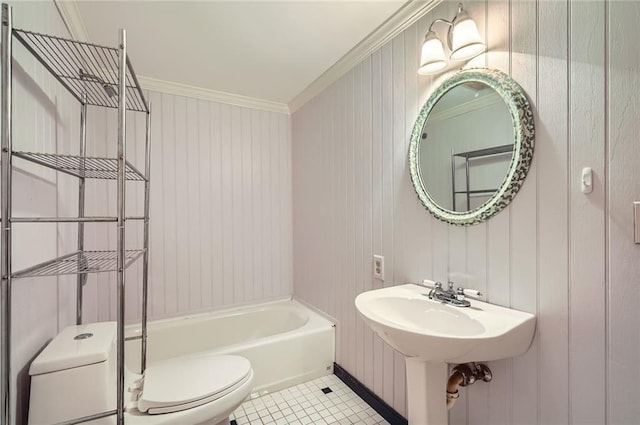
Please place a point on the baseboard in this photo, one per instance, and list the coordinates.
(379, 405)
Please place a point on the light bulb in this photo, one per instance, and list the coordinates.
(432, 58)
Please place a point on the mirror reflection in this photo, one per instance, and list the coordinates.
(466, 147)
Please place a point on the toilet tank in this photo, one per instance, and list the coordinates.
(74, 375)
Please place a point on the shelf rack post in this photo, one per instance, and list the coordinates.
(81, 278)
(453, 179)
(145, 260)
(466, 169)
(5, 239)
(122, 109)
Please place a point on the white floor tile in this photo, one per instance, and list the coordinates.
(307, 404)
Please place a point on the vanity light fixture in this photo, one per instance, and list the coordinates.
(463, 40)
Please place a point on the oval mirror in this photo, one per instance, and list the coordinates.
(471, 146)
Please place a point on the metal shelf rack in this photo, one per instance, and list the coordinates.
(470, 155)
(98, 76)
(82, 167)
(80, 262)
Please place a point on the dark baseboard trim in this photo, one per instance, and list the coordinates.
(386, 411)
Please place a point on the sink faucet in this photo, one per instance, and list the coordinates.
(455, 297)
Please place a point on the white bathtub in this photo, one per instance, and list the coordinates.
(286, 342)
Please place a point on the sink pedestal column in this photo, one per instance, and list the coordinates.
(426, 392)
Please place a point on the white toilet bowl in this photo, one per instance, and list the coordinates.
(75, 375)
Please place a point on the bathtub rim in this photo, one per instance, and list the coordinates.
(135, 329)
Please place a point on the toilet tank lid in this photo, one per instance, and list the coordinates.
(76, 346)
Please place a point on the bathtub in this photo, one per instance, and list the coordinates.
(286, 342)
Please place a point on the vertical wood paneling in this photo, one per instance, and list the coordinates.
(206, 215)
(361, 272)
(623, 187)
(192, 217)
(377, 200)
(587, 267)
(156, 276)
(182, 222)
(367, 171)
(349, 231)
(532, 255)
(221, 207)
(388, 197)
(170, 229)
(553, 210)
(401, 189)
(524, 228)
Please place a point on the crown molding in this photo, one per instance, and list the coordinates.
(398, 22)
(72, 19)
(179, 89)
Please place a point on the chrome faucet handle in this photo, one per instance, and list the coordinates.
(433, 287)
(426, 283)
(430, 284)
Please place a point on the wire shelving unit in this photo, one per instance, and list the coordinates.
(468, 157)
(98, 76)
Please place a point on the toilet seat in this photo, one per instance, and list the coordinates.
(186, 382)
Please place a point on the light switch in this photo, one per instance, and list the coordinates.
(636, 220)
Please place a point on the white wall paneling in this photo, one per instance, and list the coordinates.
(622, 186)
(220, 232)
(587, 117)
(556, 252)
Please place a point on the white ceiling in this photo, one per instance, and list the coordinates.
(270, 50)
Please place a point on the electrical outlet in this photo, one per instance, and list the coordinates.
(378, 267)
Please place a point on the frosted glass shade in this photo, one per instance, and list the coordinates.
(432, 58)
(465, 38)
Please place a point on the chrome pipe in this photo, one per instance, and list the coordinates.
(468, 188)
(5, 206)
(122, 110)
(81, 279)
(145, 260)
(88, 418)
(453, 179)
(133, 338)
(68, 219)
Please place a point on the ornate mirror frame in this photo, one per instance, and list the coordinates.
(524, 135)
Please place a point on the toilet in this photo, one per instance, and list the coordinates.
(75, 375)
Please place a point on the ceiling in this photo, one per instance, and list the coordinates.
(268, 50)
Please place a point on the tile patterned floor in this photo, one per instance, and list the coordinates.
(309, 404)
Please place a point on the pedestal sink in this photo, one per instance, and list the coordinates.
(431, 334)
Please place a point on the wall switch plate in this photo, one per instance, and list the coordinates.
(636, 221)
(378, 267)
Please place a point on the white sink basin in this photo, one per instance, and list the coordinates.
(431, 331)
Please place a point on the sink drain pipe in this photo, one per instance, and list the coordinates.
(463, 375)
